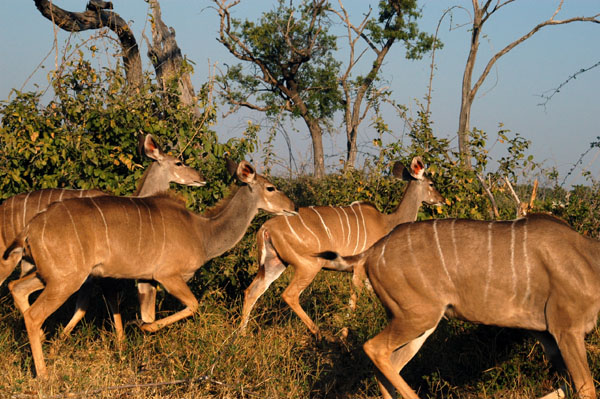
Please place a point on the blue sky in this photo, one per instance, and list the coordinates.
(560, 132)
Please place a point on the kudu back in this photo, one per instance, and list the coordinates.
(534, 273)
(293, 240)
(152, 238)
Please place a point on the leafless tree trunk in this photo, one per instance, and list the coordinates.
(96, 16)
(167, 60)
(481, 13)
(354, 96)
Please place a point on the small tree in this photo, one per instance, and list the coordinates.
(482, 11)
(396, 22)
(290, 66)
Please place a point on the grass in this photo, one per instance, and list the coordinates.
(277, 358)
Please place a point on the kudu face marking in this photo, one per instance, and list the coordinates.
(17, 211)
(293, 240)
(534, 273)
(135, 238)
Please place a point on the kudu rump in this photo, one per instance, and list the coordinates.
(534, 273)
(293, 240)
(153, 238)
(17, 211)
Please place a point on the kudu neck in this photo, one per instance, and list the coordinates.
(153, 182)
(225, 229)
(408, 208)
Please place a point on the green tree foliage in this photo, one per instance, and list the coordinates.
(289, 65)
(86, 136)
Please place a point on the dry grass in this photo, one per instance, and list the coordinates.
(205, 357)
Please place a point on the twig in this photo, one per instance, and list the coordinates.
(556, 90)
(520, 211)
(490, 195)
(130, 386)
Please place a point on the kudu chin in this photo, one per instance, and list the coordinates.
(534, 273)
(292, 240)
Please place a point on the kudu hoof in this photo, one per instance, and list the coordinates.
(150, 327)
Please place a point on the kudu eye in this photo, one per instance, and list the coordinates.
(271, 188)
(178, 163)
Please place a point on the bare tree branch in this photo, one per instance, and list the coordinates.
(95, 17)
(555, 91)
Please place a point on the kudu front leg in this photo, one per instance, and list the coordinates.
(147, 299)
(177, 287)
(270, 269)
(572, 348)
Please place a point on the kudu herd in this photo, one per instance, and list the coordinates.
(152, 238)
(17, 211)
(534, 273)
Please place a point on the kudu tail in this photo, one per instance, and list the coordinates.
(353, 263)
(15, 248)
(11, 257)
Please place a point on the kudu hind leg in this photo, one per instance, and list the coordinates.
(177, 287)
(81, 306)
(392, 348)
(399, 358)
(303, 276)
(22, 288)
(269, 270)
(51, 298)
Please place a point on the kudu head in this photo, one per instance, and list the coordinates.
(419, 185)
(268, 197)
(169, 168)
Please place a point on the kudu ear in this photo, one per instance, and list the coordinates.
(246, 172)
(417, 168)
(152, 150)
(399, 171)
(231, 166)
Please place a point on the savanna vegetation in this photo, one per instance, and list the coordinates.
(85, 136)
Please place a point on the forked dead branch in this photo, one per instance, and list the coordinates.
(534, 273)
(153, 238)
(293, 240)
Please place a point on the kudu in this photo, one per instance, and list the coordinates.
(17, 211)
(293, 240)
(534, 273)
(153, 238)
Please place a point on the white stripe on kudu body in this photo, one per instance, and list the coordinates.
(104, 223)
(322, 222)
(347, 238)
(346, 230)
(554, 271)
